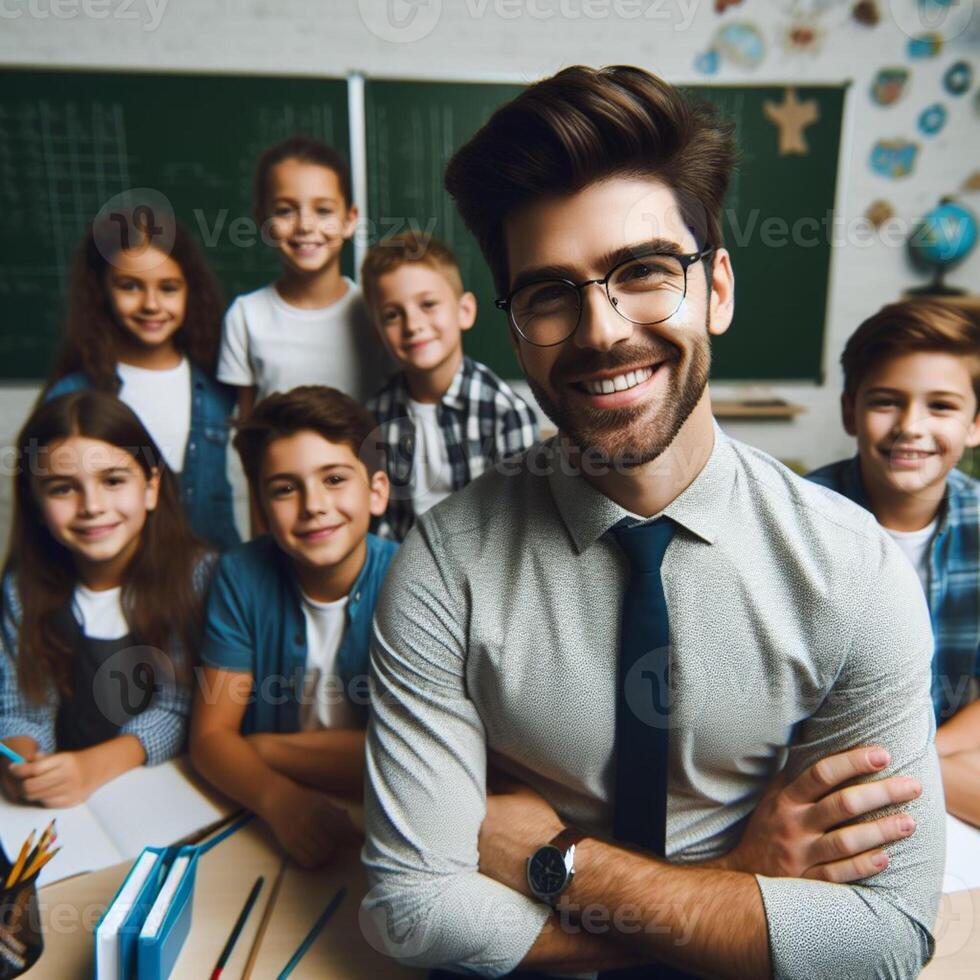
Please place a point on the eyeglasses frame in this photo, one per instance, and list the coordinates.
(686, 260)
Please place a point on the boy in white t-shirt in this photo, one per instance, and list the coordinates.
(310, 325)
(444, 418)
(912, 400)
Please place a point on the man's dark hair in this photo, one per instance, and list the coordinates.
(583, 125)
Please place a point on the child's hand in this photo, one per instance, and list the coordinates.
(58, 780)
(11, 784)
(308, 825)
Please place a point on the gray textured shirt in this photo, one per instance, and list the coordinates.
(797, 629)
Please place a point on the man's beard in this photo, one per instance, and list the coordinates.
(618, 437)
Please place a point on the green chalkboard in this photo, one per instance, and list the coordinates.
(776, 224)
(70, 141)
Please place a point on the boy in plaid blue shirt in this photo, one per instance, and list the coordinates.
(443, 418)
(912, 399)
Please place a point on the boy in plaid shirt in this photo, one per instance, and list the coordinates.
(443, 418)
(912, 399)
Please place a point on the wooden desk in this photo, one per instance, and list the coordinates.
(70, 910)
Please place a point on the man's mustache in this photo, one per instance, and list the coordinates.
(587, 361)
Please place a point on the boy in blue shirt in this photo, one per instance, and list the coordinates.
(444, 418)
(279, 716)
(912, 400)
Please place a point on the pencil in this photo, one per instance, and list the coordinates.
(11, 754)
(46, 838)
(25, 849)
(49, 835)
(239, 925)
(270, 907)
(314, 932)
(39, 862)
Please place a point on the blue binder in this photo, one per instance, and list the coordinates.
(153, 958)
(130, 927)
(157, 954)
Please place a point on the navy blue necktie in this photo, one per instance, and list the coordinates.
(643, 691)
(643, 708)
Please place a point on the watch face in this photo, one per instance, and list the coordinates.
(546, 871)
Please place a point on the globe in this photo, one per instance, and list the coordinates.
(940, 240)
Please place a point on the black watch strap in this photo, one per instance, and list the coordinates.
(567, 838)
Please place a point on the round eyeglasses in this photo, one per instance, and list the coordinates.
(644, 289)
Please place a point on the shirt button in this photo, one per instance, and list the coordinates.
(193, 446)
(357, 596)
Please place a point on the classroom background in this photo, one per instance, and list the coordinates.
(908, 137)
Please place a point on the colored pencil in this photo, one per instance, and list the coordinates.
(39, 862)
(314, 932)
(15, 871)
(270, 907)
(11, 754)
(239, 925)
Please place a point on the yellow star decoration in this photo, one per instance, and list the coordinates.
(792, 117)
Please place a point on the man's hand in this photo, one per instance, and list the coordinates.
(795, 830)
(518, 821)
(309, 827)
(58, 780)
(11, 785)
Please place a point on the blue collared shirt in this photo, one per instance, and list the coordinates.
(255, 623)
(954, 581)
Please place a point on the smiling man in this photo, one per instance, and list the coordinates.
(644, 621)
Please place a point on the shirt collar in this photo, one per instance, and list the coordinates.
(853, 488)
(364, 576)
(588, 513)
(454, 396)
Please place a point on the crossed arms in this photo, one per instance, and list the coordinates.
(442, 895)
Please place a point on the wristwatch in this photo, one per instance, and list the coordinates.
(550, 868)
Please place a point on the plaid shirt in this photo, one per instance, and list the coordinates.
(482, 421)
(161, 728)
(954, 581)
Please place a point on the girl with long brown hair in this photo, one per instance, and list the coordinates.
(144, 322)
(102, 603)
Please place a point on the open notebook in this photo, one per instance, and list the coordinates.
(149, 805)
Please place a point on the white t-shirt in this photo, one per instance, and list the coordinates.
(275, 346)
(324, 703)
(916, 546)
(162, 400)
(432, 475)
(100, 613)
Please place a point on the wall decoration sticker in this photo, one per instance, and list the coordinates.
(878, 212)
(958, 77)
(866, 13)
(925, 46)
(791, 117)
(932, 119)
(889, 85)
(893, 158)
(740, 42)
